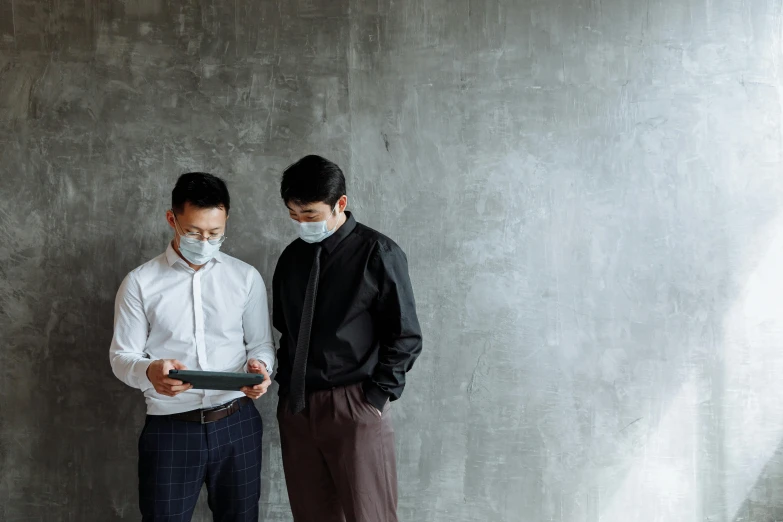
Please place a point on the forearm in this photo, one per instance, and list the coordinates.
(128, 360)
(264, 353)
(258, 334)
(399, 333)
(394, 361)
(131, 368)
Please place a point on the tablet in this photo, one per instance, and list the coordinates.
(217, 380)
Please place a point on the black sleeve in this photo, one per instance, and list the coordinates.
(283, 374)
(397, 326)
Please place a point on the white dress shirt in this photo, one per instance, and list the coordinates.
(213, 319)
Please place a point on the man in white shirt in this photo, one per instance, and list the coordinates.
(194, 307)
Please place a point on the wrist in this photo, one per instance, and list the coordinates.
(142, 378)
(375, 396)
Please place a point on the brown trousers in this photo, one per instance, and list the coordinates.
(338, 458)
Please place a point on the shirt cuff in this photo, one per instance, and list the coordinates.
(140, 374)
(375, 396)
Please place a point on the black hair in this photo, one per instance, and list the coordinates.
(201, 190)
(313, 179)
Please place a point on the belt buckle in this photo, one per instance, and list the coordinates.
(219, 408)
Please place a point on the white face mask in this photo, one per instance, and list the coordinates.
(316, 231)
(197, 252)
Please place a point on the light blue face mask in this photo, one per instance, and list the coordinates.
(197, 251)
(316, 231)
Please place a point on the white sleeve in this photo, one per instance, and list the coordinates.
(131, 328)
(255, 322)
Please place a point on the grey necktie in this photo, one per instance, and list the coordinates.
(297, 393)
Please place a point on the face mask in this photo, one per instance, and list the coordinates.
(197, 252)
(317, 231)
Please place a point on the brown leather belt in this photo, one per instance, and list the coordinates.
(212, 414)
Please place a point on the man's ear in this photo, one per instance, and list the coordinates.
(170, 219)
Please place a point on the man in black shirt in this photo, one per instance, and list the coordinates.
(343, 302)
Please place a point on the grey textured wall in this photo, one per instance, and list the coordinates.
(589, 192)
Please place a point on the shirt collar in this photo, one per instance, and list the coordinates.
(331, 242)
(173, 258)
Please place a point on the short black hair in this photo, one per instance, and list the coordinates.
(201, 190)
(313, 179)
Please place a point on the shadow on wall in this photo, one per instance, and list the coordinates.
(81, 422)
(764, 502)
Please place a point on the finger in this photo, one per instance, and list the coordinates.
(261, 367)
(167, 368)
(171, 382)
(178, 365)
(174, 389)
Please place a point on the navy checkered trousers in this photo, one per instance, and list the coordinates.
(177, 457)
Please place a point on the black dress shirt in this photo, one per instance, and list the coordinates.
(365, 328)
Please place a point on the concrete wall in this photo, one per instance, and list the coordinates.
(589, 192)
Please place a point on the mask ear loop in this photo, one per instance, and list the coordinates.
(334, 211)
(179, 236)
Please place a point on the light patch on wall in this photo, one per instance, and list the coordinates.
(662, 483)
(145, 28)
(665, 479)
(753, 365)
(494, 299)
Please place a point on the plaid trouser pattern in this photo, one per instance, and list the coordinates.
(177, 457)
